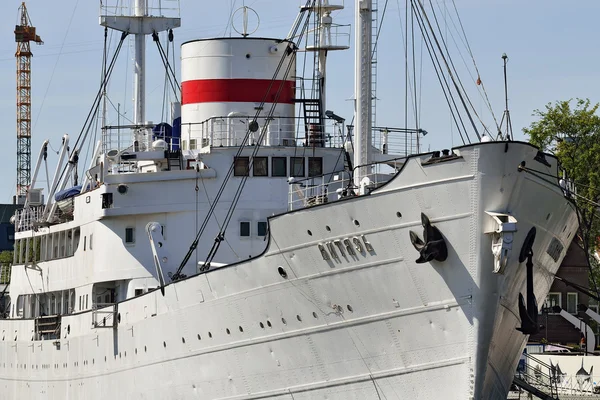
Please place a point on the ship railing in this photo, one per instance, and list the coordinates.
(5, 270)
(334, 4)
(27, 218)
(333, 186)
(230, 131)
(164, 8)
(397, 141)
(119, 138)
(104, 315)
(337, 37)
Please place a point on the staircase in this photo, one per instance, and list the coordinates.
(539, 381)
(313, 122)
(174, 159)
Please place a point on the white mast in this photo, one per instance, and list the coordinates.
(140, 25)
(362, 90)
(139, 78)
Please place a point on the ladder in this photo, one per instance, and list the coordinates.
(174, 160)
(374, 30)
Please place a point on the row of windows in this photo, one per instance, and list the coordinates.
(50, 246)
(245, 229)
(554, 299)
(278, 166)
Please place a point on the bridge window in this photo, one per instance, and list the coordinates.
(297, 167)
(241, 165)
(279, 166)
(260, 166)
(315, 166)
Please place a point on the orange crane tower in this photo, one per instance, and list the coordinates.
(24, 33)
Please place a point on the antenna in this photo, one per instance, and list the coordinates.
(506, 115)
(245, 21)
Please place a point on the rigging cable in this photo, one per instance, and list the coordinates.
(426, 19)
(475, 64)
(454, 112)
(455, 71)
(60, 52)
(95, 106)
(165, 59)
(289, 50)
(263, 133)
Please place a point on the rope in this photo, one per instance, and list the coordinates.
(293, 53)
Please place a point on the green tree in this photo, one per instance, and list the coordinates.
(6, 257)
(572, 133)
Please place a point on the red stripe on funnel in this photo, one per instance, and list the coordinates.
(237, 90)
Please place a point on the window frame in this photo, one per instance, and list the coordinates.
(546, 305)
(320, 159)
(570, 294)
(266, 161)
(258, 229)
(235, 166)
(132, 242)
(249, 229)
(285, 167)
(292, 165)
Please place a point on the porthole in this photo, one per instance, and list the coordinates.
(356, 222)
(309, 232)
(199, 338)
(165, 344)
(228, 331)
(315, 314)
(547, 217)
(241, 329)
(125, 354)
(262, 325)
(282, 272)
(327, 228)
(269, 324)
(183, 340)
(299, 318)
(350, 308)
(119, 317)
(68, 329)
(284, 321)
(209, 335)
(145, 349)
(399, 214)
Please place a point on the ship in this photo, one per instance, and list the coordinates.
(216, 257)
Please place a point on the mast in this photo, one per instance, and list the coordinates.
(139, 65)
(362, 89)
(140, 24)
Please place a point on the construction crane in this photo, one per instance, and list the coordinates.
(24, 33)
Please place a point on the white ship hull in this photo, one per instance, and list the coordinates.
(373, 325)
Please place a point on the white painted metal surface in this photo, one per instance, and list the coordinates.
(322, 302)
(362, 91)
(227, 78)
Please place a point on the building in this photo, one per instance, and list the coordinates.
(554, 328)
(7, 229)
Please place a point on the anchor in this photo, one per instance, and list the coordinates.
(434, 245)
(529, 313)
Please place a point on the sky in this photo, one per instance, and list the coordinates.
(551, 46)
